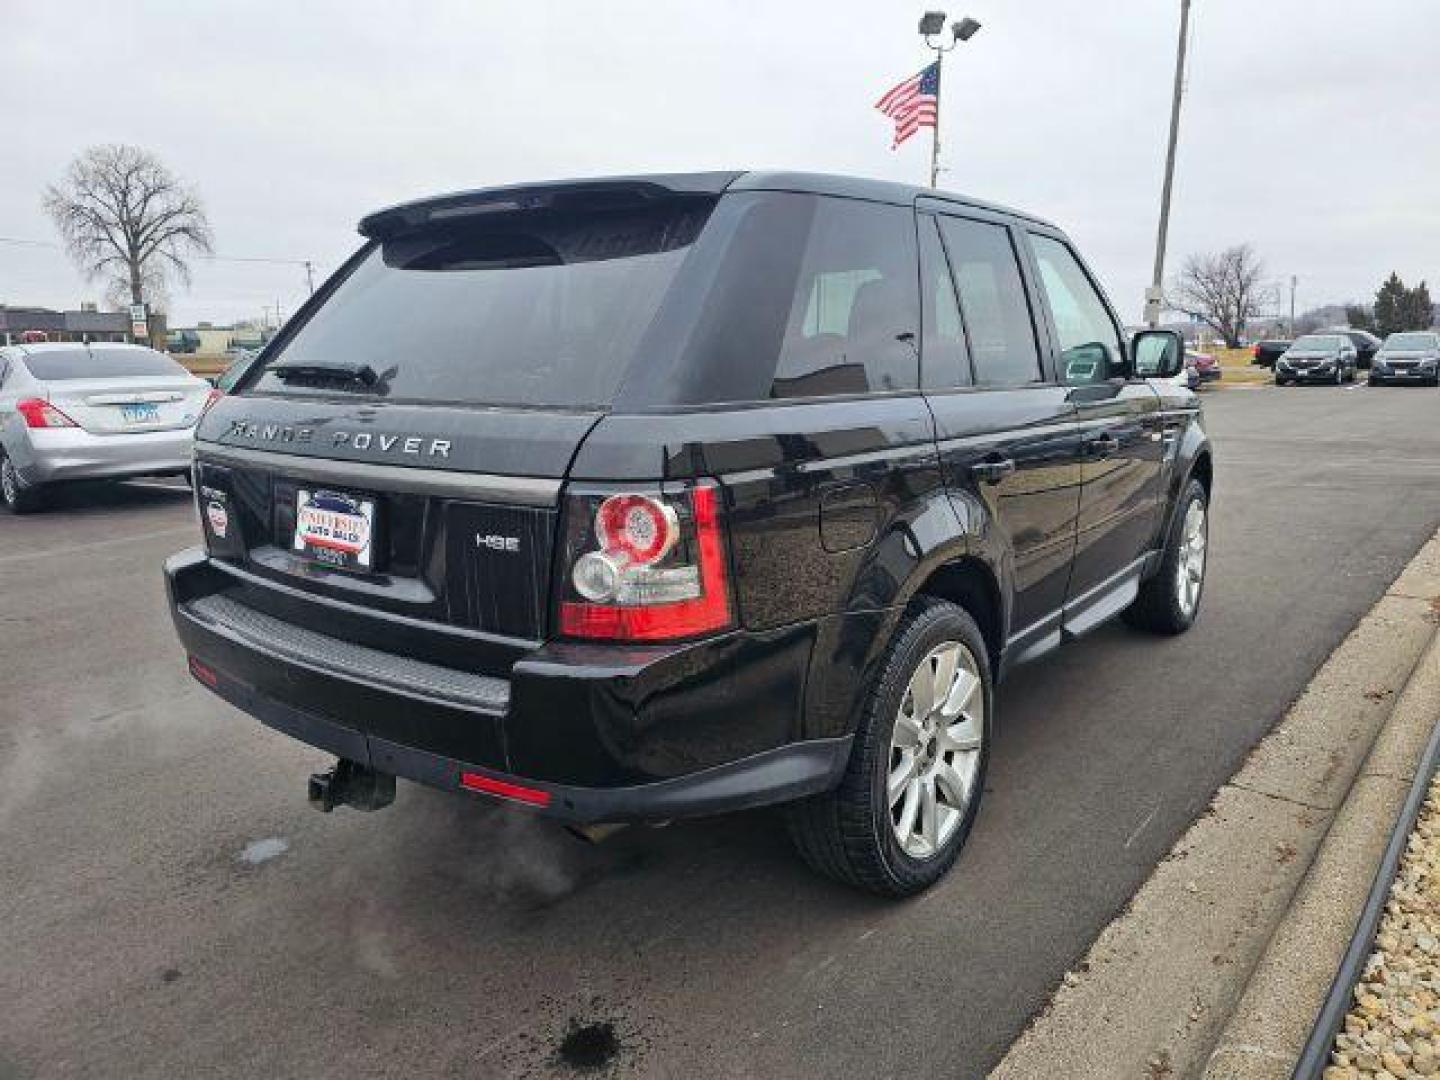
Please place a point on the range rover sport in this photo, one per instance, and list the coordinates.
(648, 497)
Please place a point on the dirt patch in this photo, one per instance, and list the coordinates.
(589, 1047)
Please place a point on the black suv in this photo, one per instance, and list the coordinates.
(639, 498)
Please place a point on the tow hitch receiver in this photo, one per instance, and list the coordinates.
(351, 784)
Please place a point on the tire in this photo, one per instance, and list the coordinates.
(17, 496)
(853, 833)
(1168, 604)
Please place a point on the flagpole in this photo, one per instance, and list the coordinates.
(935, 131)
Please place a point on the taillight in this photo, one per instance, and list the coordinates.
(1255, 351)
(39, 413)
(213, 396)
(644, 566)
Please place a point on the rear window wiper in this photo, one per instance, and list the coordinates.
(325, 372)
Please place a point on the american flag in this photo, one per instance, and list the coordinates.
(913, 104)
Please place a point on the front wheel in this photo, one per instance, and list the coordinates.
(1170, 600)
(912, 788)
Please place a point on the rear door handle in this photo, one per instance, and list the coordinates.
(1102, 446)
(993, 469)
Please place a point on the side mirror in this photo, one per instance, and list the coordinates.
(1157, 354)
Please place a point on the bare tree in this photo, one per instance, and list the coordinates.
(1221, 290)
(125, 218)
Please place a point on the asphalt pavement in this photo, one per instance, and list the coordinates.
(171, 907)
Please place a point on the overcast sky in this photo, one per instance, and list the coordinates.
(1309, 126)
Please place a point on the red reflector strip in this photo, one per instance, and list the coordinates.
(204, 673)
(490, 785)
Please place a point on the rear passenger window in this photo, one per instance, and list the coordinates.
(992, 301)
(854, 317)
(945, 360)
(1090, 350)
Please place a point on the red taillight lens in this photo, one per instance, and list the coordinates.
(39, 413)
(213, 396)
(645, 567)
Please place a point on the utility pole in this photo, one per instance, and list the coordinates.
(931, 23)
(1157, 288)
(1293, 282)
(310, 276)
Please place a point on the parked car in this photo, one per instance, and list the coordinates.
(1366, 344)
(1265, 353)
(1207, 367)
(643, 498)
(78, 412)
(240, 362)
(1317, 358)
(182, 342)
(1409, 357)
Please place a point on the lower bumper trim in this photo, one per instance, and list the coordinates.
(783, 774)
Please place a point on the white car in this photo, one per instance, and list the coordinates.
(83, 412)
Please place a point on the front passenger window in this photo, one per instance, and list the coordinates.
(1090, 350)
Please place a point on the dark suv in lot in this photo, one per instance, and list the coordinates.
(639, 498)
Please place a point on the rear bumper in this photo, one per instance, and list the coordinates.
(51, 455)
(605, 735)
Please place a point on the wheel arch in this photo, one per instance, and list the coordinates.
(969, 582)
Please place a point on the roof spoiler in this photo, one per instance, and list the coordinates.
(567, 194)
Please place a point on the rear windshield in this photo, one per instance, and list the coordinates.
(60, 365)
(536, 308)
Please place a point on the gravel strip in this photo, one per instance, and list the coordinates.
(1394, 1028)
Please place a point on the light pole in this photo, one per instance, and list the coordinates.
(931, 24)
(1157, 288)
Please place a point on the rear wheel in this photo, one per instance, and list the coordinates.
(15, 495)
(912, 788)
(1170, 600)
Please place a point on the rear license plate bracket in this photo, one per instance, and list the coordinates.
(335, 528)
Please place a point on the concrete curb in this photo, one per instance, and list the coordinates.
(1289, 985)
(1156, 991)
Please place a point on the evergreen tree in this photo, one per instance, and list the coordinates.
(1418, 312)
(1390, 303)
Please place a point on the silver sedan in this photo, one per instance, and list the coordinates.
(85, 412)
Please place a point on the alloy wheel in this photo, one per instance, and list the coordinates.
(1190, 567)
(935, 750)
(9, 482)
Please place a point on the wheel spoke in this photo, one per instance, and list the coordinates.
(907, 732)
(962, 693)
(905, 827)
(955, 783)
(900, 775)
(947, 661)
(964, 735)
(922, 690)
(929, 813)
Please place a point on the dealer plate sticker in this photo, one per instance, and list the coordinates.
(334, 528)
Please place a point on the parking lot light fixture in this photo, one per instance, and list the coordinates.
(932, 22)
